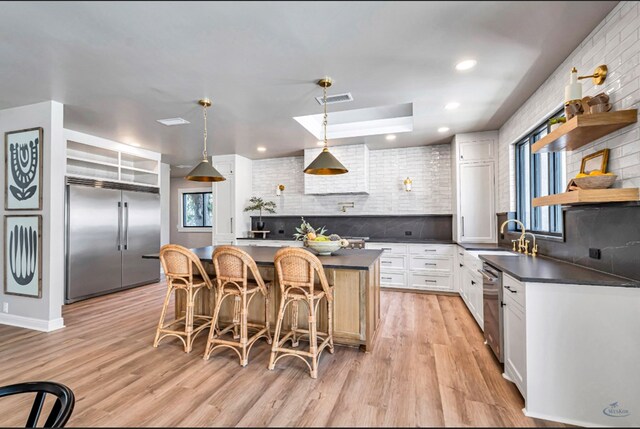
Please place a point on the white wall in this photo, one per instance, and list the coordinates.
(614, 42)
(428, 166)
(46, 313)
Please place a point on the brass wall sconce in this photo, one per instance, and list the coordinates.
(279, 190)
(599, 75)
(407, 184)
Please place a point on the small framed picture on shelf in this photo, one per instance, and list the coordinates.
(595, 162)
(23, 255)
(23, 169)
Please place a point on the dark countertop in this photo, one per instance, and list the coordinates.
(348, 259)
(369, 240)
(547, 270)
(483, 246)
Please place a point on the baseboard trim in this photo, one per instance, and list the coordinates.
(31, 323)
(559, 419)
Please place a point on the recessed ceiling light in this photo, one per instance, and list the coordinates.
(320, 143)
(262, 149)
(452, 105)
(183, 166)
(466, 65)
(173, 121)
(391, 137)
(443, 129)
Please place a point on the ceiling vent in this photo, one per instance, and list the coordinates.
(173, 121)
(338, 98)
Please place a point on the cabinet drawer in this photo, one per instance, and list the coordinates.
(426, 281)
(431, 249)
(513, 289)
(421, 263)
(393, 279)
(398, 262)
(389, 248)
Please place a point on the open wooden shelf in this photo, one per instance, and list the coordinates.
(583, 129)
(590, 196)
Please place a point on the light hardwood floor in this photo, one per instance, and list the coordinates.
(429, 368)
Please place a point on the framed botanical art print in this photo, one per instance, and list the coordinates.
(23, 255)
(595, 161)
(23, 169)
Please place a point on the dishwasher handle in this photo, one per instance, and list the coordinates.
(488, 276)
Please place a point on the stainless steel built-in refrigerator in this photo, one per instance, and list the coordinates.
(108, 229)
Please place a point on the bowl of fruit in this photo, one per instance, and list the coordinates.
(315, 239)
(595, 180)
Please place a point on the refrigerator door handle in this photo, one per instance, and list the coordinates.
(126, 226)
(119, 226)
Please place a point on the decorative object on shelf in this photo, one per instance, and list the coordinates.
(599, 75)
(205, 171)
(554, 123)
(325, 163)
(598, 103)
(573, 95)
(600, 181)
(407, 184)
(596, 161)
(258, 204)
(23, 255)
(23, 169)
(255, 233)
(279, 190)
(305, 228)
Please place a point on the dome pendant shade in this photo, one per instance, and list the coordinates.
(205, 172)
(325, 164)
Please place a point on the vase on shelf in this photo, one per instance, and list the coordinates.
(259, 225)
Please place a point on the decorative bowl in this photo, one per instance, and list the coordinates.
(595, 182)
(323, 248)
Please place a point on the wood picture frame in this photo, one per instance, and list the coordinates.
(23, 158)
(595, 161)
(23, 263)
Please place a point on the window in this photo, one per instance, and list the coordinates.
(538, 175)
(196, 209)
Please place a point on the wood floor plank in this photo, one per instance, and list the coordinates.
(429, 367)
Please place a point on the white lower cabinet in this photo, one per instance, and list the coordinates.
(514, 331)
(416, 266)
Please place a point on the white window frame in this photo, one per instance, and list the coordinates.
(180, 226)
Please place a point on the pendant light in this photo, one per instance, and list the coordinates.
(325, 163)
(205, 172)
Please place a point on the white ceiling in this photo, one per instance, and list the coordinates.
(119, 66)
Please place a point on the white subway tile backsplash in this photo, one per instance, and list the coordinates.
(615, 42)
(428, 166)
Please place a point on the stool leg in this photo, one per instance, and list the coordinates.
(266, 316)
(313, 339)
(213, 330)
(276, 335)
(162, 315)
(236, 317)
(188, 321)
(330, 324)
(244, 330)
(294, 324)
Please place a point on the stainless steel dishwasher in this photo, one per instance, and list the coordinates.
(492, 306)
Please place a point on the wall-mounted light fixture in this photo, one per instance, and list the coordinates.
(344, 206)
(407, 184)
(279, 190)
(599, 75)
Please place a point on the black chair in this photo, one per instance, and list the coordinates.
(61, 410)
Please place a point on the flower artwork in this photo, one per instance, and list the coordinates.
(23, 172)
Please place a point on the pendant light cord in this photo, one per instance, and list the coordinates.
(324, 124)
(204, 152)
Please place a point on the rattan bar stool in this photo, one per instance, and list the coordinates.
(232, 266)
(178, 264)
(296, 270)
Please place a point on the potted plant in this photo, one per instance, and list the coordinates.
(258, 204)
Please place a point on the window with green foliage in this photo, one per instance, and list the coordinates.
(197, 209)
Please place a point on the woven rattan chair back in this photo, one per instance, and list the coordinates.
(297, 268)
(232, 265)
(178, 263)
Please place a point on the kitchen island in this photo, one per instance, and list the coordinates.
(354, 274)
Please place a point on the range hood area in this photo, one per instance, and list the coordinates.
(356, 181)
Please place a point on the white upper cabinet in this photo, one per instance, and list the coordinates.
(230, 198)
(481, 150)
(354, 157)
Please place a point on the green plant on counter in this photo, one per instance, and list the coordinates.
(305, 228)
(258, 204)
